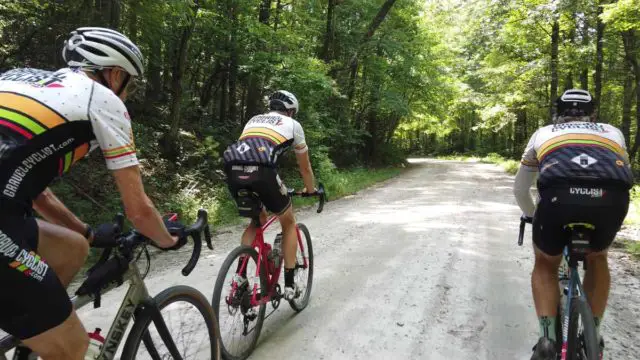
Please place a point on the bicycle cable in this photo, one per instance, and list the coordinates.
(148, 256)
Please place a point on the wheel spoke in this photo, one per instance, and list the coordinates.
(179, 330)
(238, 330)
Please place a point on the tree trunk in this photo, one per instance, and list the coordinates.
(555, 37)
(207, 87)
(627, 103)
(254, 85)
(521, 128)
(265, 10)
(233, 67)
(599, 60)
(382, 14)
(170, 144)
(328, 36)
(584, 73)
(353, 65)
(133, 21)
(277, 19)
(224, 83)
(114, 16)
(568, 81)
(629, 39)
(154, 86)
(233, 75)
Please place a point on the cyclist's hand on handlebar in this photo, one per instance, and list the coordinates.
(104, 235)
(527, 219)
(176, 230)
(315, 191)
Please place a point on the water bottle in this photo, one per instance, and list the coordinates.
(277, 250)
(95, 345)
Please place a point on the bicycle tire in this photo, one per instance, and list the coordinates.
(163, 299)
(580, 309)
(229, 262)
(304, 299)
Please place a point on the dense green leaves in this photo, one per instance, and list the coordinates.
(509, 59)
(376, 79)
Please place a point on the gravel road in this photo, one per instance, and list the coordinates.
(424, 266)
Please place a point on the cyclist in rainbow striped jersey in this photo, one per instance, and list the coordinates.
(583, 175)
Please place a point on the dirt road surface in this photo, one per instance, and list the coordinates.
(424, 266)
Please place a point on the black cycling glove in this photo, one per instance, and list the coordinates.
(176, 228)
(527, 219)
(105, 235)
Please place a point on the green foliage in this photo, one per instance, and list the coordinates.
(509, 165)
(623, 15)
(435, 77)
(633, 247)
(633, 216)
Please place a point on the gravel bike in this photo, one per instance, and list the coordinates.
(166, 325)
(577, 328)
(243, 307)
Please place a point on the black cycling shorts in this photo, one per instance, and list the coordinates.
(261, 180)
(32, 299)
(605, 207)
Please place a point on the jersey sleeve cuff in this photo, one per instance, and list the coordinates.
(301, 150)
(529, 164)
(122, 162)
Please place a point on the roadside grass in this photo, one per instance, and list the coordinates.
(509, 165)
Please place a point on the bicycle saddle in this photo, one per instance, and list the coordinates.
(249, 204)
(580, 238)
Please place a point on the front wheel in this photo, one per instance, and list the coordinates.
(190, 323)
(304, 270)
(582, 340)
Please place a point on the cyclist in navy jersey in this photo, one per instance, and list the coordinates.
(584, 175)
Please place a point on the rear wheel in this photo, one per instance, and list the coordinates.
(582, 341)
(303, 273)
(190, 323)
(239, 323)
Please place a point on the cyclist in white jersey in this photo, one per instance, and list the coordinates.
(49, 121)
(251, 163)
(584, 175)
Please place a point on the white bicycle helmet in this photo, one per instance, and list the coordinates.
(575, 102)
(283, 100)
(99, 48)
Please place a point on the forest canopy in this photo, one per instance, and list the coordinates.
(377, 80)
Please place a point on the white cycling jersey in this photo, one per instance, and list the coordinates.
(50, 120)
(265, 138)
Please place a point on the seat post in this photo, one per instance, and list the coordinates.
(255, 220)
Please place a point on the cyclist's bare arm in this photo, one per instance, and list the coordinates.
(305, 170)
(139, 208)
(54, 211)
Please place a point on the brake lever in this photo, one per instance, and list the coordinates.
(207, 237)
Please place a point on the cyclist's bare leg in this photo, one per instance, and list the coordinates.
(65, 250)
(597, 281)
(544, 283)
(67, 341)
(250, 232)
(289, 237)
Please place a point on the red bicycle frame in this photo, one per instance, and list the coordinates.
(273, 274)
